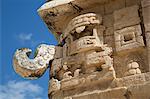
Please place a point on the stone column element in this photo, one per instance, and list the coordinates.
(33, 68)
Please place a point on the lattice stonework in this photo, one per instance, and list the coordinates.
(128, 38)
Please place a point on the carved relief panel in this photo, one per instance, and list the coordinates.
(128, 38)
(84, 51)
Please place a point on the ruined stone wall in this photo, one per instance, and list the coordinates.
(103, 50)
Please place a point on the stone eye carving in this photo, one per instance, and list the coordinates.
(33, 68)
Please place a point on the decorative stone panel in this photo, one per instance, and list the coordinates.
(128, 38)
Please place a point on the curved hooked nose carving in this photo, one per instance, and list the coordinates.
(33, 68)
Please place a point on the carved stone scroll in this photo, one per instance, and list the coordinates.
(33, 68)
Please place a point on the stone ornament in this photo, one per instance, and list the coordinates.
(33, 68)
(128, 38)
(133, 68)
(79, 23)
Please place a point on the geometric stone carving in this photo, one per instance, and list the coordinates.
(128, 38)
(33, 68)
(84, 44)
(126, 17)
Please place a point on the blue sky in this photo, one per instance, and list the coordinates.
(21, 26)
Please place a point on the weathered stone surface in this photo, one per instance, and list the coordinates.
(139, 91)
(126, 17)
(116, 93)
(132, 80)
(33, 68)
(132, 2)
(146, 18)
(56, 66)
(58, 52)
(113, 5)
(89, 79)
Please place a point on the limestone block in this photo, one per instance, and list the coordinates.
(113, 5)
(131, 80)
(116, 93)
(100, 78)
(128, 38)
(139, 91)
(146, 18)
(126, 17)
(58, 52)
(71, 83)
(33, 68)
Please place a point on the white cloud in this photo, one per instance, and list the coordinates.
(25, 37)
(21, 90)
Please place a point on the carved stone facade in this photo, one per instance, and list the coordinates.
(103, 50)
